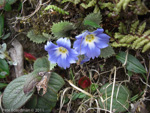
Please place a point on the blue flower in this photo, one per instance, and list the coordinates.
(90, 43)
(62, 54)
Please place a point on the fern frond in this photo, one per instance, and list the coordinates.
(126, 2)
(118, 36)
(146, 47)
(73, 1)
(134, 27)
(140, 44)
(90, 4)
(135, 39)
(62, 29)
(59, 10)
(122, 28)
(141, 28)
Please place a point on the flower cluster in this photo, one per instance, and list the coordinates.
(87, 44)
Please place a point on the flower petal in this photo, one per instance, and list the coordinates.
(64, 42)
(52, 57)
(72, 57)
(102, 44)
(92, 53)
(63, 63)
(103, 36)
(98, 31)
(77, 43)
(50, 46)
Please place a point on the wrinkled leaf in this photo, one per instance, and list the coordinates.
(36, 37)
(32, 102)
(133, 63)
(4, 68)
(107, 52)
(121, 97)
(41, 63)
(93, 19)
(14, 97)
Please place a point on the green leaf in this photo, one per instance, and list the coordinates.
(11, 1)
(48, 101)
(4, 68)
(78, 95)
(31, 104)
(62, 29)
(37, 38)
(13, 96)
(1, 25)
(2, 85)
(91, 23)
(107, 52)
(121, 97)
(7, 7)
(93, 19)
(133, 63)
(41, 63)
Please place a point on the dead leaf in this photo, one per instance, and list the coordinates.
(16, 54)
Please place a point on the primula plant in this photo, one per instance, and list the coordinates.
(74, 56)
(87, 43)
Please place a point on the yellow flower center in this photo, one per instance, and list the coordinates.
(89, 38)
(63, 50)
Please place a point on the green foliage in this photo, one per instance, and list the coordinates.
(4, 68)
(86, 4)
(37, 38)
(73, 1)
(90, 3)
(133, 63)
(107, 52)
(142, 9)
(93, 20)
(1, 25)
(13, 96)
(136, 38)
(121, 96)
(122, 4)
(62, 29)
(61, 11)
(41, 63)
